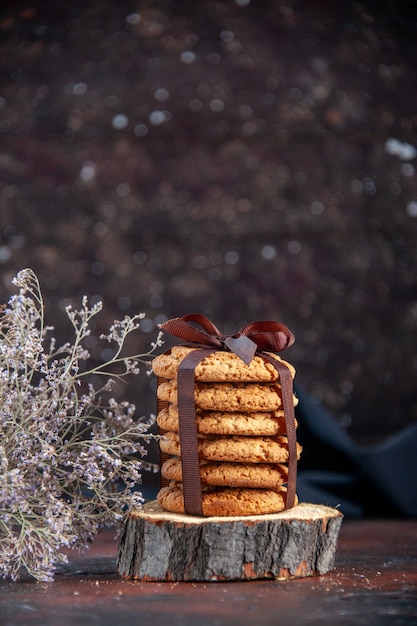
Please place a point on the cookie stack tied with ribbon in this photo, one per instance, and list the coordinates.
(226, 418)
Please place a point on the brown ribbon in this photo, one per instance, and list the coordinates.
(264, 335)
(250, 340)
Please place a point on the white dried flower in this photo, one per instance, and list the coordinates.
(70, 456)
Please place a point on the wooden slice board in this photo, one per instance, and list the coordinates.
(160, 546)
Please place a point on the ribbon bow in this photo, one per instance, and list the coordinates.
(264, 335)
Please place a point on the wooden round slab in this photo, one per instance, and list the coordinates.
(160, 546)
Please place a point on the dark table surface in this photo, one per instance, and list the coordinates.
(374, 581)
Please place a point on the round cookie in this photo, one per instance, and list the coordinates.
(242, 397)
(226, 502)
(220, 366)
(234, 449)
(258, 424)
(259, 475)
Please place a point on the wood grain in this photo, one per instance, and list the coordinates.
(161, 546)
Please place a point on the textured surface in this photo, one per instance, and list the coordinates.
(218, 367)
(226, 423)
(268, 475)
(246, 161)
(228, 396)
(374, 580)
(301, 542)
(226, 501)
(233, 448)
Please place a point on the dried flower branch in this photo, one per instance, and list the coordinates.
(70, 455)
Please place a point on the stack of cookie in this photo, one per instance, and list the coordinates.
(242, 443)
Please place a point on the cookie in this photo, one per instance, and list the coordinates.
(226, 502)
(266, 424)
(259, 475)
(235, 449)
(242, 397)
(220, 366)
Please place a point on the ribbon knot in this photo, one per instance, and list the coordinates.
(262, 336)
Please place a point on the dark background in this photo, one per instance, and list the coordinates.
(246, 160)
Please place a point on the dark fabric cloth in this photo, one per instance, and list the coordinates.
(378, 481)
